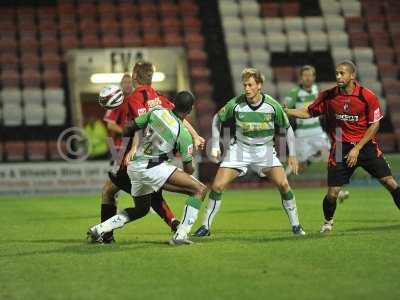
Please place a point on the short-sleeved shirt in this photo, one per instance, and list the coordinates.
(298, 97)
(164, 134)
(347, 116)
(254, 126)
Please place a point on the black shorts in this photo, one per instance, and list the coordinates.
(121, 180)
(370, 159)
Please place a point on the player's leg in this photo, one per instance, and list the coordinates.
(379, 168)
(222, 179)
(142, 207)
(108, 200)
(278, 178)
(197, 192)
(329, 207)
(338, 175)
(162, 208)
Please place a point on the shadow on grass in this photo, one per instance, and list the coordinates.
(84, 248)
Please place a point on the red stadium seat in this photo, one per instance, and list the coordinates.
(30, 60)
(28, 43)
(173, 39)
(31, 78)
(194, 39)
(85, 8)
(391, 86)
(380, 39)
(14, 151)
(152, 40)
(88, 25)
(388, 71)
(169, 10)
(290, 9)
(376, 23)
(10, 78)
(90, 40)
(106, 9)
(171, 25)
(132, 40)
(151, 26)
(69, 41)
(109, 25)
(384, 55)
(284, 73)
(355, 24)
(56, 150)
(188, 8)
(37, 150)
(127, 9)
(52, 78)
(147, 10)
(205, 106)
(110, 40)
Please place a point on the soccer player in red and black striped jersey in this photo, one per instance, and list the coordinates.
(352, 115)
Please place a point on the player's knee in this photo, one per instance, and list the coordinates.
(283, 186)
(389, 183)
(218, 187)
(333, 193)
(201, 190)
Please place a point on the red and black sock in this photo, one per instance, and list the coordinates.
(329, 207)
(396, 197)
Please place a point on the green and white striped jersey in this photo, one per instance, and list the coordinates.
(254, 126)
(298, 98)
(164, 133)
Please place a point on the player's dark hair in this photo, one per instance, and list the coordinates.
(184, 102)
(143, 72)
(307, 68)
(349, 64)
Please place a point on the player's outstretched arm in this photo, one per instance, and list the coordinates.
(113, 127)
(197, 139)
(301, 113)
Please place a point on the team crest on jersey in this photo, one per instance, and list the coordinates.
(141, 111)
(346, 107)
(153, 103)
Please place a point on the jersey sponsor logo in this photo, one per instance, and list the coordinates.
(377, 114)
(346, 118)
(246, 126)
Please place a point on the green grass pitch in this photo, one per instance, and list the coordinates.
(250, 255)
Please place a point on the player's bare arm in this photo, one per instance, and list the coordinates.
(301, 113)
(352, 157)
(113, 127)
(215, 149)
(132, 151)
(197, 139)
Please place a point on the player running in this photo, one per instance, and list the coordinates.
(149, 171)
(311, 141)
(256, 117)
(352, 114)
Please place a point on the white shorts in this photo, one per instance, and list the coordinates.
(257, 159)
(308, 146)
(146, 181)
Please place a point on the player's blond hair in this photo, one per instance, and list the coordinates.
(143, 72)
(252, 72)
(307, 68)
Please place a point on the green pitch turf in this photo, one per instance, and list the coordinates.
(250, 255)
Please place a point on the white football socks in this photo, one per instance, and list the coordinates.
(291, 210)
(117, 221)
(212, 209)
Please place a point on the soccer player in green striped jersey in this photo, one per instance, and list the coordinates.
(149, 171)
(312, 142)
(256, 117)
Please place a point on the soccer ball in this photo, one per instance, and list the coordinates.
(111, 97)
